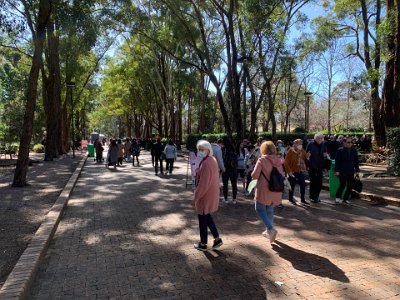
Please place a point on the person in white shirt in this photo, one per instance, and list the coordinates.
(170, 156)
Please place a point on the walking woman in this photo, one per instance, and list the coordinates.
(112, 153)
(170, 156)
(241, 154)
(264, 198)
(295, 167)
(135, 149)
(120, 152)
(206, 195)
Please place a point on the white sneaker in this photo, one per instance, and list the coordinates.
(234, 201)
(226, 201)
(272, 235)
(337, 200)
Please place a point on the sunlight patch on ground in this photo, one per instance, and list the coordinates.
(92, 239)
(158, 196)
(164, 224)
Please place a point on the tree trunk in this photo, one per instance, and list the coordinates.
(220, 99)
(377, 120)
(27, 128)
(390, 106)
(53, 88)
(179, 118)
(202, 107)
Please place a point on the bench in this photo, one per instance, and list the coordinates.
(6, 152)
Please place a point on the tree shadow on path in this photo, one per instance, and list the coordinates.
(310, 263)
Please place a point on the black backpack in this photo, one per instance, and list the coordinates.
(276, 182)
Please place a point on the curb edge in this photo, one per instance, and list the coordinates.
(20, 279)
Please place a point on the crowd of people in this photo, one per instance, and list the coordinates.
(225, 164)
(129, 151)
(244, 162)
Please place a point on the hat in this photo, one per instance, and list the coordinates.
(298, 141)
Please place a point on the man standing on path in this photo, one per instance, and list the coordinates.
(230, 163)
(346, 164)
(158, 149)
(316, 152)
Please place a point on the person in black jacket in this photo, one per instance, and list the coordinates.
(158, 149)
(316, 152)
(230, 163)
(346, 164)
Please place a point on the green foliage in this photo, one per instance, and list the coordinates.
(191, 139)
(38, 148)
(299, 130)
(394, 145)
(286, 138)
(10, 148)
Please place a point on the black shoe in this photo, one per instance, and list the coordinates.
(314, 201)
(200, 247)
(217, 243)
(293, 202)
(305, 201)
(280, 206)
(347, 202)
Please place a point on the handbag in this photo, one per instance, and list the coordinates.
(326, 163)
(357, 184)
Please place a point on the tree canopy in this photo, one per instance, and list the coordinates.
(174, 67)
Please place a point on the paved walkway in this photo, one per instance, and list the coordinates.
(128, 234)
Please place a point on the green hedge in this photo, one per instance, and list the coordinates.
(38, 148)
(394, 145)
(191, 139)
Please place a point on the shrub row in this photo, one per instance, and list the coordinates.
(191, 139)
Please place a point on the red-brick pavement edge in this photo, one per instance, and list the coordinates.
(20, 279)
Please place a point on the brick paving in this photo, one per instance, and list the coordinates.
(127, 234)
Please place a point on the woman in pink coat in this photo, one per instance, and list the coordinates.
(206, 195)
(264, 198)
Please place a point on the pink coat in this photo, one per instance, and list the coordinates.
(264, 164)
(206, 195)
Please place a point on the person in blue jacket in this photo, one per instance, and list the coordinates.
(346, 164)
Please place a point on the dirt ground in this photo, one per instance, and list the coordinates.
(22, 210)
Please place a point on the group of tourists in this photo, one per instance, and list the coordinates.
(245, 162)
(160, 152)
(118, 152)
(129, 151)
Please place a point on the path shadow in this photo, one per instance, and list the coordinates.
(247, 283)
(310, 263)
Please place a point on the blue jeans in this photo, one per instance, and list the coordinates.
(266, 214)
(206, 221)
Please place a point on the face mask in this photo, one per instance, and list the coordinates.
(201, 153)
(279, 145)
(299, 147)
